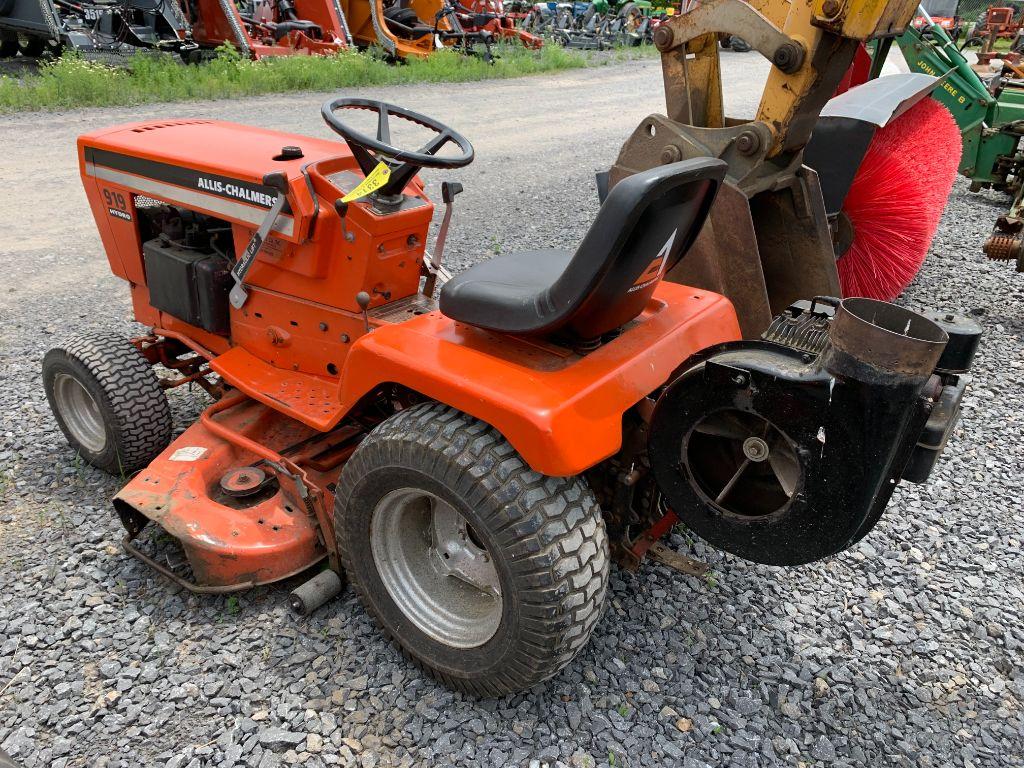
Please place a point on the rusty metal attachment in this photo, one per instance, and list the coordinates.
(648, 544)
(768, 241)
(885, 338)
(1004, 247)
(735, 17)
(676, 561)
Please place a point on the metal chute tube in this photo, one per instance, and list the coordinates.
(875, 341)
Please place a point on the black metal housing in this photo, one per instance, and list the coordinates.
(192, 285)
(92, 25)
(848, 419)
(964, 338)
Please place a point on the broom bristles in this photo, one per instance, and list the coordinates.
(897, 199)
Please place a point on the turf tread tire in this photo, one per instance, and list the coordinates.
(550, 530)
(135, 409)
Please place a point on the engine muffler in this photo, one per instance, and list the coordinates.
(787, 449)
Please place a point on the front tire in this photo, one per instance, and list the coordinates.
(107, 401)
(487, 575)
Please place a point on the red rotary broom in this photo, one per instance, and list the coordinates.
(896, 200)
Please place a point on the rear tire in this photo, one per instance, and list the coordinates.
(534, 546)
(107, 401)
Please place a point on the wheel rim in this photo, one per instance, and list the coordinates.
(742, 463)
(435, 568)
(80, 412)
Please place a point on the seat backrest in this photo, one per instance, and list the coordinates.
(646, 224)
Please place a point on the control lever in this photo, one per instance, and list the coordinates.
(239, 295)
(449, 189)
(363, 300)
(342, 209)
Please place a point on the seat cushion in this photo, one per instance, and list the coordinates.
(507, 293)
(309, 28)
(645, 225)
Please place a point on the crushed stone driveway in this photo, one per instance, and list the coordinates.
(905, 651)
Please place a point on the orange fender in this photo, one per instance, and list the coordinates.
(562, 411)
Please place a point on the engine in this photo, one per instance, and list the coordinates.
(188, 259)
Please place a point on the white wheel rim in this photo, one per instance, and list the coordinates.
(79, 412)
(435, 568)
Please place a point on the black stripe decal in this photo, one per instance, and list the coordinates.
(236, 190)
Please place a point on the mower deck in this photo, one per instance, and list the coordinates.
(233, 541)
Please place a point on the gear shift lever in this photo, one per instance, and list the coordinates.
(449, 189)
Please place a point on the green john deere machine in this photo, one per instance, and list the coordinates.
(991, 121)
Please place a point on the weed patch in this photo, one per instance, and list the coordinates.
(71, 81)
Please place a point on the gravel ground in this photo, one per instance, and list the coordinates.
(905, 651)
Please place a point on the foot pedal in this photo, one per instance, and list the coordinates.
(676, 561)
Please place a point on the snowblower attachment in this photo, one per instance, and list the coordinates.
(786, 449)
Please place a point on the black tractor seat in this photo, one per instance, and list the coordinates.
(309, 28)
(403, 22)
(646, 224)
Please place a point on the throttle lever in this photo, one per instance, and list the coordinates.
(341, 207)
(449, 189)
(239, 294)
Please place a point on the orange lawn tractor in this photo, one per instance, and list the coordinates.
(261, 28)
(414, 28)
(995, 23)
(473, 463)
(489, 16)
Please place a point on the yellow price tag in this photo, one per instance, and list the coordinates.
(378, 177)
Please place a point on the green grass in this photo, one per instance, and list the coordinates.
(71, 81)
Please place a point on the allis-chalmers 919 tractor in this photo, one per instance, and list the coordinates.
(471, 464)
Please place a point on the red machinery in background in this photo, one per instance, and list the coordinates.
(261, 28)
(490, 16)
(998, 24)
(945, 13)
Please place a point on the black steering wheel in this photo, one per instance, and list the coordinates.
(404, 164)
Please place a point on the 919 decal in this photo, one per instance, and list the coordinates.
(117, 206)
